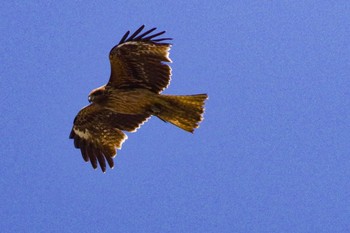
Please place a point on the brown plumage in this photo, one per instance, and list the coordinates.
(138, 75)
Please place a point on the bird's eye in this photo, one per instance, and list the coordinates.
(89, 98)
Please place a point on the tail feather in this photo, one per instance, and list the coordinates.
(184, 111)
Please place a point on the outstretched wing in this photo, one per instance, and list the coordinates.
(97, 132)
(138, 61)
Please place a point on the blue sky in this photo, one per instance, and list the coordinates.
(272, 154)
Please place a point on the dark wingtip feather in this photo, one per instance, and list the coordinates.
(85, 157)
(124, 37)
(143, 37)
(136, 32)
(109, 156)
(92, 157)
(154, 35)
(109, 161)
(72, 134)
(83, 151)
(145, 33)
(158, 40)
(77, 142)
(100, 158)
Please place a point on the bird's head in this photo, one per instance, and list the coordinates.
(97, 94)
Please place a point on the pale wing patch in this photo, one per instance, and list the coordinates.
(83, 134)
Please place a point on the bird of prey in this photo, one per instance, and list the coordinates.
(139, 73)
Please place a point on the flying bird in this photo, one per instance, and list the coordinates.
(139, 73)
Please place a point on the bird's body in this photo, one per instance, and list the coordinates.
(129, 101)
(132, 95)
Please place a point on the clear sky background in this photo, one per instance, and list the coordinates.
(272, 154)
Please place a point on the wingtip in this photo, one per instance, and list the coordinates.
(71, 135)
(145, 36)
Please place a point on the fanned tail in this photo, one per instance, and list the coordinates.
(184, 111)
